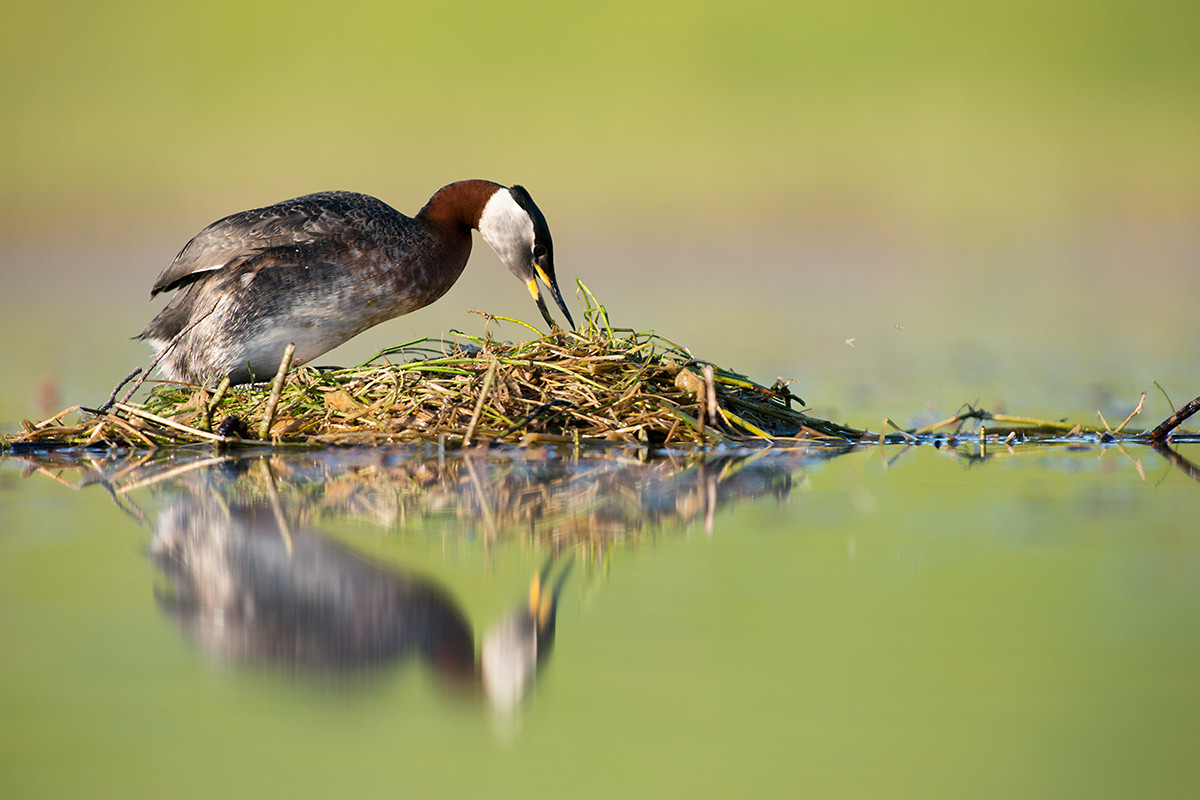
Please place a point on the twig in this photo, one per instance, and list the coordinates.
(1172, 422)
(982, 415)
(211, 407)
(1166, 397)
(483, 393)
(97, 432)
(112, 398)
(710, 392)
(730, 417)
(125, 426)
(285, 363)
(908, 437)
(56, 417)
(1136, 411)
(493, 317)
(170, 423)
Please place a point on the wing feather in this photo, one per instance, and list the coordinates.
(325, 217)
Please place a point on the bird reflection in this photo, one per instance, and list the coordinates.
(250, 585)
(248, 589)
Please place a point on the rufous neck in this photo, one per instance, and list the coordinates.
(458, 205)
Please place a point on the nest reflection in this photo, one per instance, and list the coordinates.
(552, 501)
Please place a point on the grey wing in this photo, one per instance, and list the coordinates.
(323, 217)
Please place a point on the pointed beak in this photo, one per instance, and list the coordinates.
(554, 291)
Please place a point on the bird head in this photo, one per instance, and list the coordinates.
(516, 229)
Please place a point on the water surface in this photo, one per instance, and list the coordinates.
(870, 622)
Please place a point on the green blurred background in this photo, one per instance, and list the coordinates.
(762, 181)
(919, 112)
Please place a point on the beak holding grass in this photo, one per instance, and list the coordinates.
(552, 284)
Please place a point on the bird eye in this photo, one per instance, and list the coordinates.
(539, 250)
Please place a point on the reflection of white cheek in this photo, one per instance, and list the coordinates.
(509, 661)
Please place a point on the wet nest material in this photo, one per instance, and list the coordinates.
(597, 384)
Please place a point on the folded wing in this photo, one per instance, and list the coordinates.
(313, 218)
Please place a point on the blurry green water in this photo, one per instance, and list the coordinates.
(927, 626)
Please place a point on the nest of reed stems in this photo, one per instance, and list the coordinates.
(596, 384)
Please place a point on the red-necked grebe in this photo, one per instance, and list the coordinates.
(322, 268)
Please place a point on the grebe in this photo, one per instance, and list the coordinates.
(320, 269)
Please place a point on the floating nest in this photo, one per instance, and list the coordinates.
(596, 384)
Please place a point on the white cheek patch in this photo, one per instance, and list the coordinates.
(508, 229)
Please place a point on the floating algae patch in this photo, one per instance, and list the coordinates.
(597, 384)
